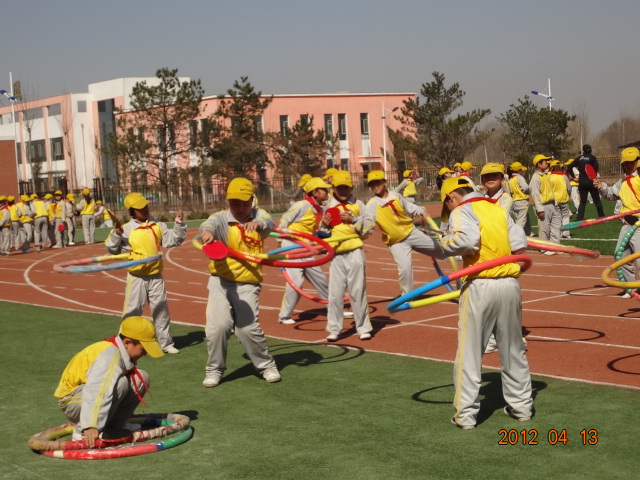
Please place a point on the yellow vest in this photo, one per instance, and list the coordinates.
(393, 221)
(559, 187)
(145, 241)
(494, 232)
(24, 218)
(546, 190)
(75, 374)
(516, 191)
(410, 189)
(40, 208)
(88, 207)
(346, 229)
(630, 194)
(236, 270)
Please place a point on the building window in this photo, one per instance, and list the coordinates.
(284, 125)
(53, 110)
(57, 152)
(342, 126)
(258, 124)
(193, 135)
(102, 106)
(205, 132)
(364, 124)
(82, 106)
(328, 125)
(32, 114)
(36, 150)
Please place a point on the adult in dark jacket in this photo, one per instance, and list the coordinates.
(585, 184)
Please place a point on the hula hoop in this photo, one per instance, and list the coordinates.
(620, 251)
(164, 425)
(596, 221)
(576, 252)
(430, 301)
(401, 303)
(271, 262)
(87, 265)
(619, 263)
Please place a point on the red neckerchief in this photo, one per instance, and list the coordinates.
(557, 172)
(316, 207)
(133, 373)
(477, 199)
(392, 206)
(150, 227)
(248, 241)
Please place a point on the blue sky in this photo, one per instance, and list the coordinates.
(497, 50)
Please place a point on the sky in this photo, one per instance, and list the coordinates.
(498, 51)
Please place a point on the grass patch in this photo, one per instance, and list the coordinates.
(337, 414)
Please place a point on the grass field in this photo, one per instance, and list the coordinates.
(338, 413)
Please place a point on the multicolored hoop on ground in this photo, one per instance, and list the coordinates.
(163, 425)
(596, 221)
(614, 266)
(98, 264)
(578, 253)
(405, 302)
(295, 256)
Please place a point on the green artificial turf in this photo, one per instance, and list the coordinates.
(338, 414)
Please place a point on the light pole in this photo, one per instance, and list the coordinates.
(545, 95)
(384, 136)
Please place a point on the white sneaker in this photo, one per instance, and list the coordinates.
(271, 375)
(57, 246)
(211, 378)
(332, 337)
(171, 349)
(286, 321)
(348, 314)
(626, 295)
(365, 336)
(548, 252)
(71, 243)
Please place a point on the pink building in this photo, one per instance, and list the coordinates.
(65, 133)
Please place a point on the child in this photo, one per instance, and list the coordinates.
(561, 193)
(59, 214)
(627, 189)
(15, 212)
(234, 284)
(87, 208)
(466, 172)
(491, 177)
(443, 174)
(519, 189)
(41, 222)
(143, 237)
(490, 301)
(408, 186)
(304, 216)
(348, 267)
(393, 214)
(26, 223)
(544, 199)
(5, 227)
(101, 386)
(70, 219)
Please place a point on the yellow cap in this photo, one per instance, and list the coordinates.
(135, 200)
(240, 189)
(24, 198)
(3, 198)
(451, 184)
(71, 196)
(315, 182)
(342, 177)
(629, 154)
(98, 202)
(406, 173)
(330, 173)
(304, 179)
(142, 330)
(85, 191)
(538, 158)
(57, 192)
(554, 163)
(569, 162)
(375, 175)
(517, 167)
(492, 168)
(457, 164)
(444, 170)
(47, 196)
(11, 198)
(466, 166)
(33, 196)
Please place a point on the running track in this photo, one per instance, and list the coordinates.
(576, 327)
